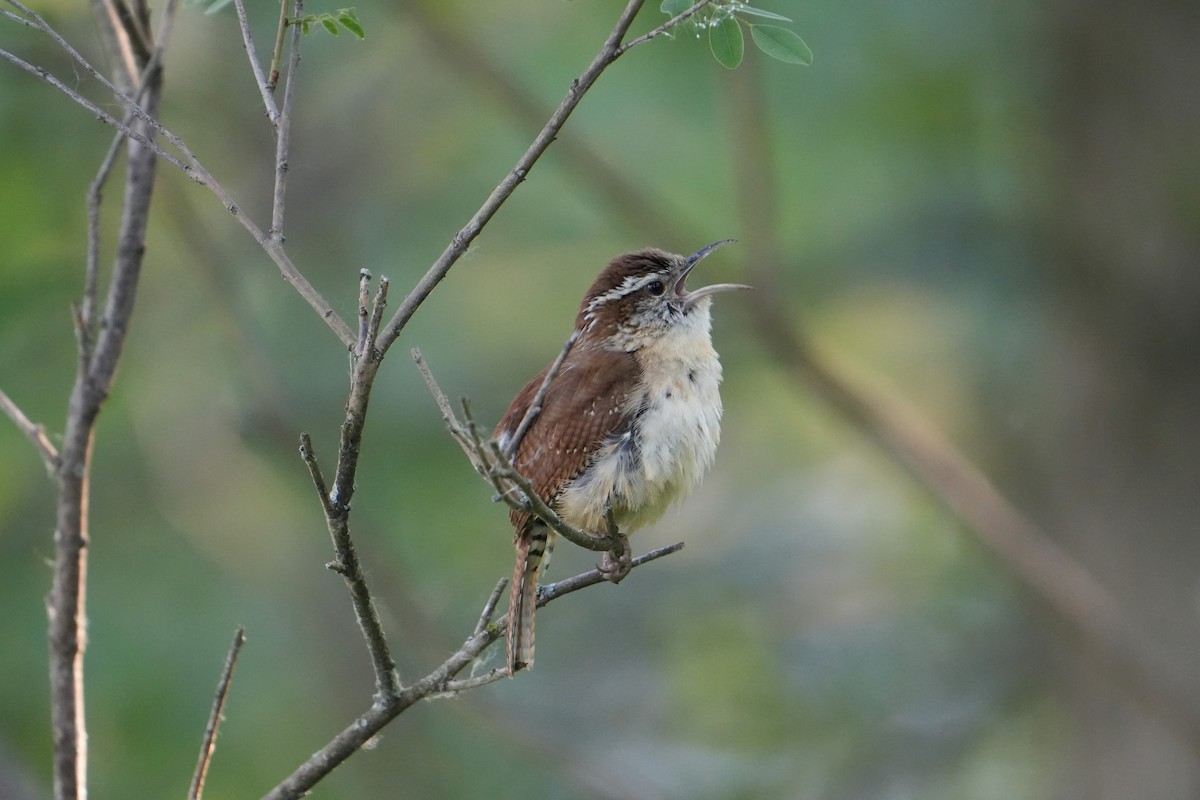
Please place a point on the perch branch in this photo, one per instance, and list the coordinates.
(209, 744)
(438, 683)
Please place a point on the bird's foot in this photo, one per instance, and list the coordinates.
(615, 564)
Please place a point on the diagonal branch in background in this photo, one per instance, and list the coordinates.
(609, 52)
(1054, 576)
(438, 683)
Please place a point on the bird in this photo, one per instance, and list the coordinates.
(628, 426)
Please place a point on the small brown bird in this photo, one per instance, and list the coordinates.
(628, 426)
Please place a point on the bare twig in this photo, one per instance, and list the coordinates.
(438, 683)
(260, 80)
(495, 465)
(336, 502)
(98, 112)
(95, 196)
(489, 608)
(609, 52)
(18, 18)
(532, 502)
(535, 407)
(666, 26)
(448, 416)
(209, 743)
(36, 433)
(186, 162)
(628, 199)
(309, 456)
(364, 310)
(277, 50)
(283, 133)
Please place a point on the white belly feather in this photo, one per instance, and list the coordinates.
(677, 431)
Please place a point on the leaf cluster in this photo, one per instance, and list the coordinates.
(344, 17)
(723, 23)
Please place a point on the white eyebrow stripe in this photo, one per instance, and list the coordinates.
(628, 286)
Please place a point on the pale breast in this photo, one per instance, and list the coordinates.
(672, 441)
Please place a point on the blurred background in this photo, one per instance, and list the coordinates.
(989, 212)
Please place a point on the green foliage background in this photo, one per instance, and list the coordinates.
(830, 631)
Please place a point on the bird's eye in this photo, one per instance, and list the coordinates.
(655, 288)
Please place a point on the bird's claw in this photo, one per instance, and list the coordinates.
(615, 564)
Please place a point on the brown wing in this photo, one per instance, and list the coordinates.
(582, 409)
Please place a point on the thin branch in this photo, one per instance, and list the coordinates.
(95, 197)
(609, 52)
(18, 19)
(87, 323)
(532, 502)
(99, 113)
(336, 504)
(283, 134)
(666, 26)
(454, 687)
(627, 197)
(34, 432)
(309, 456)
(260, 80)
(489, 608)
(448, 416)
(494, 464)
(535, 407)
(553, 591)
(377, 307)
(277, 50)
(364, 310)
(438, 683)
(209, 743)
(188, 164)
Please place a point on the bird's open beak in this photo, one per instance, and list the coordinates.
(691, 297)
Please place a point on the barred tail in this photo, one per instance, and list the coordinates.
(522, 603)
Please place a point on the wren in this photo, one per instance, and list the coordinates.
(629, 424)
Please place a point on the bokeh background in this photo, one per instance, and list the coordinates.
(989, 212)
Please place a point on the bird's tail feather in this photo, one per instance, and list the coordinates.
(522, 603)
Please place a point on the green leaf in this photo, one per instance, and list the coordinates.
(330, 26)
(353, 25)
(305, 26)
(781, 43)
(746, 10)
(725, 39)
(673, 8)
(217, 6)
